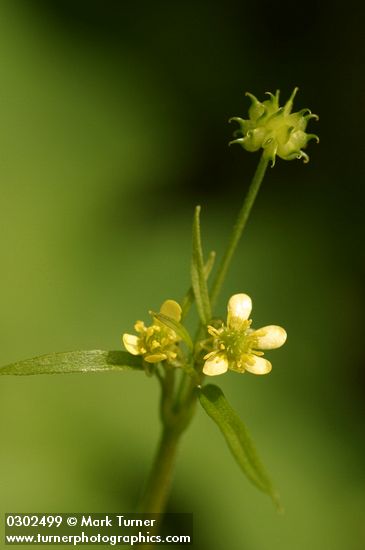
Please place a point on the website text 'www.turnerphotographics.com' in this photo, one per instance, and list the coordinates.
(109, 529)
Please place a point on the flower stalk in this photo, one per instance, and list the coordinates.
(238, 228)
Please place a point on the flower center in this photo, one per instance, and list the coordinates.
(236, 343)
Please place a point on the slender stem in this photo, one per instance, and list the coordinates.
(238, 228)
(158, 487)
(176, 415)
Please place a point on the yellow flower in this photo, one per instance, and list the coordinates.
(237, 346)
(276, 129)
(157, 342)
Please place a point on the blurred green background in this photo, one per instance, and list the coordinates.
(113, 125)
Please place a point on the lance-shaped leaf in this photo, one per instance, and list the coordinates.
(75, 362)
(198, 278)
(237, 438)
(175, 326)
(189, 298)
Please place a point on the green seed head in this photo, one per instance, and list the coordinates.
(276, 129)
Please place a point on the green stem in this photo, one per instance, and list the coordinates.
(176, 414)
(184, 383)
(158, 486)
(238, 228)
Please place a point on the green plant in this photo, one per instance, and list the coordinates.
(165, 349)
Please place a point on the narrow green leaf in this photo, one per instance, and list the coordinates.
(188, 299)
(75, 362)
(198, 279)
(175, 326)
(237, 438)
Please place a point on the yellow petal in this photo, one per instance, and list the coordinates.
(217, 364)
(171, 309)
(270, 337)
(239, 309)
(131, 343)
(258, 365)
(155, 357)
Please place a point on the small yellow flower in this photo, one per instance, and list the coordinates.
(237, 346)
(276, 129)
(157, 342)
